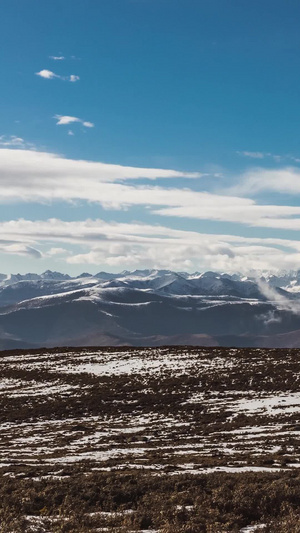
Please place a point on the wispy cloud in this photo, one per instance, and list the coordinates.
(283, 180)
(49, 75)
(57, 58)
(262, 155)
(13, 141)
(63, 120)
(269, 155)
(279, 300)
(60, 57)
(253, 155)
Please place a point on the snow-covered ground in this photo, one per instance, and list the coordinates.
(164, 414)
(165, 410)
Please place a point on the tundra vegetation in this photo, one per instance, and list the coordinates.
(170, 439)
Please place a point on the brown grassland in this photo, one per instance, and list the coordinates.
(173, 439)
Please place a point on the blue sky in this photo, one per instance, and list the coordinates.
(149, 134)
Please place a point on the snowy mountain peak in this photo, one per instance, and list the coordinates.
(209, 282)
(48, 274)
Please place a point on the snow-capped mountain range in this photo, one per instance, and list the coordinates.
(289, 280)
(149, 307)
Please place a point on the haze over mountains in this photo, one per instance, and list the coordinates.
(149, 307)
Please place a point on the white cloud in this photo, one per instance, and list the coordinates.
(135, 245)
(268, 155)
(70, 132)
(88, 124)
(13, 141)
(63, 120)
(30, 176)
(20, 249)
(49, 75)
(281, 301)
(56, 251)
(283, 180)
(62, 58)
(39, 172)
(253, 155)
(238, 210)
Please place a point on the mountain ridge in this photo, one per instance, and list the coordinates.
(148, 307)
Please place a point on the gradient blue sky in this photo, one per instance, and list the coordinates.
(209, 89)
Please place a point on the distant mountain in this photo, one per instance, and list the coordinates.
(148, 307)
(48, 275)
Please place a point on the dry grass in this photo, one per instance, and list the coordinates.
(149, 441)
